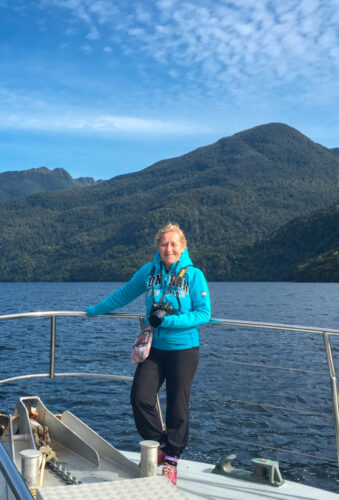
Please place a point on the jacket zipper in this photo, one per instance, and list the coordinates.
(167, 277)
(163, 291)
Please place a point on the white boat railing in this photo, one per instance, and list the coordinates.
(13, 477)
(325, 332)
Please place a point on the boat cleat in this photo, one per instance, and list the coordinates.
(264, 470)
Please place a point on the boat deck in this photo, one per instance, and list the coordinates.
(195, 482)
(136, 489)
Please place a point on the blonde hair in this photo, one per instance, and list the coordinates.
(168, 228)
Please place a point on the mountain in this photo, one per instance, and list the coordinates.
(305, 249)
(323, 268)
(226, 196)
(15, 184)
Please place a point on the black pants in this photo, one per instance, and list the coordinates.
(178, 369)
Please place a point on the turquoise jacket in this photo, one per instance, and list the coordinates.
(189, 296)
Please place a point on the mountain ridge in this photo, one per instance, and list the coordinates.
(22, 183)
(226, 196)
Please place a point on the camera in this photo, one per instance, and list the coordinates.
(158, 312)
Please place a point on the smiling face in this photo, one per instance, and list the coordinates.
(170, 248)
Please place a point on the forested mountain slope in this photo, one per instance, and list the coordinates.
(305, 249)
(235, 192)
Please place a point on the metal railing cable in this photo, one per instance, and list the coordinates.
(275, 407)
(275, 367)
(326, 333)
(66, 374)
(282, 450)
(274, 326)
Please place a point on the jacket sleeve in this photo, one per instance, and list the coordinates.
(123, 295)
(201, 307)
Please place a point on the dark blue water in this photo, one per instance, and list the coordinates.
(218, 426)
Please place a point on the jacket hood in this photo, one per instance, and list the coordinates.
(184, 261)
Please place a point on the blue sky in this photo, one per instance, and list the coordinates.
(106, 87)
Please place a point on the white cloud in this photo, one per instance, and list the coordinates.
(75, 122)
(87, 48)
(93, 34)
(230, 48)
(259, 36)
(103, 10)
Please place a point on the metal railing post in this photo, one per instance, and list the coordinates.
(334, 388)
(214, 321)
(52, 348)
(163, 425)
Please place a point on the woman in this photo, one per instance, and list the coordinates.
(169, 280)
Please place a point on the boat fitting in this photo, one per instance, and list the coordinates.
(149, 458)
(30, 463)
(264, 471)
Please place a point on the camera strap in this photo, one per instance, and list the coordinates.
(152, 294)
(165, 288)
(177, 282)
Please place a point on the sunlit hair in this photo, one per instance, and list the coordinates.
(168, 228)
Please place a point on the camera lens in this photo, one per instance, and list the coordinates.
(156, 317)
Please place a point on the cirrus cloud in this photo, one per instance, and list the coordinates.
(253, 46)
